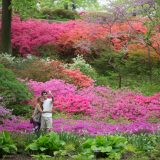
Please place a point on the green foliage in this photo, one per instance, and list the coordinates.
(25, 8)
(111, 147)
(106, 61)
(11, 89)
(22, 110)
(132, 71)
(22, 140)
(41, 156)
(73, 144)
(87, 4)
(6, 144)
(144, 142)
(47, 144)
(48, 51)
(59, 14)
(80, 63)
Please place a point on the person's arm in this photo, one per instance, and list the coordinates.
(51, 96)
(34, 112)
(39, 108)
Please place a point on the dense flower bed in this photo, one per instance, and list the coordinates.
(100, 102)
(82, 126)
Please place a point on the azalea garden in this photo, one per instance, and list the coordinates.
(100, 60)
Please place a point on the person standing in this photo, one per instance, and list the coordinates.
(36, 116)
(46, 117)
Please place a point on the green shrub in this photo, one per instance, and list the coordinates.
(59, 14)
(80, 63)
(48, 50)
(22, 110)
(22, 140)
(111, 147)
(41, 156)
(47, 144)
(12, 90)
(144, 142)
(6, 144)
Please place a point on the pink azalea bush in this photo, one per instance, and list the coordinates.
(100, 102)
(66, 98)
(29, 35)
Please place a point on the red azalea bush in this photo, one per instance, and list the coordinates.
(42, 71)
(78, 78)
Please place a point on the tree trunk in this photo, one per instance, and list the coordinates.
(149, 65)
(119, 81)
(6, 27)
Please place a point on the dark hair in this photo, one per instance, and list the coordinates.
(43, 92)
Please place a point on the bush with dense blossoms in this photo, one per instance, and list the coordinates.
(78, 78)
(74, 37)
(66, 98)
(29, 35)
(100, 102)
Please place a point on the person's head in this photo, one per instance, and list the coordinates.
(44, 94)
(39, 100)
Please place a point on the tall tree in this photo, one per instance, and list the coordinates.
(25, 8)
(6, 26)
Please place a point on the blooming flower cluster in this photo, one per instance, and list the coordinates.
(100, 102)
(82, 126)
(73, 37)
(16, 124)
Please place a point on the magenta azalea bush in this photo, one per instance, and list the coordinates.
(81, 127)
(16, 124)
(100, 102)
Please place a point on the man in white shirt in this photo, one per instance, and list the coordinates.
(46, 118)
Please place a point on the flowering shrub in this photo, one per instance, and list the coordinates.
(82, 127)
(66, 98)
(77, 37)
(16, 124)
(78, 78)
(100, 102)
(43, 70)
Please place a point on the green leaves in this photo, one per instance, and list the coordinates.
(6, 144)
(47, 144)
(105, 146)
(25, 8)
(11, 89)
(144, 142)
